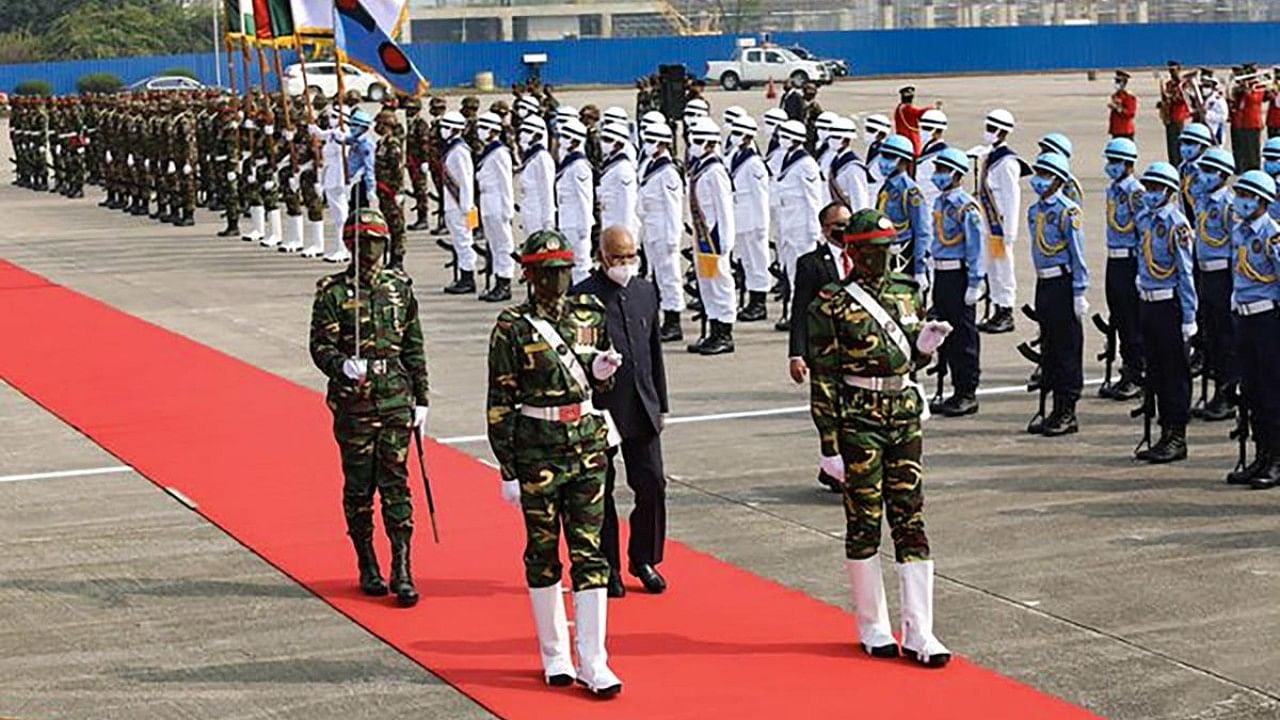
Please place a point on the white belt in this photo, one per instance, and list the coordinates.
(1051, 272)
(1215, 265)
(220, 158)
(1156, 295)
(1255, 308)
(890, 383)
(948, 265)
(897, 247)
(1120, 252)
(562, 413)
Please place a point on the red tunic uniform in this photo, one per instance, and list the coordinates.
(1177, 109)
(1121, 122)
(906, 122)
(1249, 110)
(1273, 111)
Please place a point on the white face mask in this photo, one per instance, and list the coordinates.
(622, 274)
(696, 150)
(989, 137)
(1119, 85)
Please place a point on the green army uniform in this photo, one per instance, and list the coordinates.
(226, 163)
(372, 419)
(312, 172)
(184, 154)
(551, 445)
(863, 349)
(40, 144)
(417, 148)
(388, 174)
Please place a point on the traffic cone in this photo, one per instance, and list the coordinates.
(770, 91)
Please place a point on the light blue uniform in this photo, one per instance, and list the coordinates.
(1256, 246)
(1057, 240)
(957, 233)
(902, 201)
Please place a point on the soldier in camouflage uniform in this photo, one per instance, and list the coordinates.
(226, 163)
(312, 168)
(550, 444)
(377, 398)
(289, 180)
(184, 156)
(416, 149)
(471, 111)
(435, 160)
(388, 171)
(867, 335)
(267, 162)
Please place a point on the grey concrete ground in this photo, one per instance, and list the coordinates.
(1137, 592)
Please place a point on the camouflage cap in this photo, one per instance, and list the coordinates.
(438, 102)
(868, 227)
(411, 104)
(546, 249)
(471, 102)
(369, 223)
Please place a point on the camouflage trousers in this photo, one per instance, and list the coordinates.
(312, 197)
(229, 191)
(290, 198)
(374, 450)
(881, 442)
(394, 215)
(567, 491)
(419, 181)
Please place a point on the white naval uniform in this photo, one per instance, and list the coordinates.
(333, 184)
(458, 165)
(661, 200)
(537, 190)
(826, 156)
(925, 168)
(575, 196)
(751, 203)
(848, 180)
(618, 194)
(1002, 202)
(497, 205)
(711, 204)
(874, 177)
(773, 161)
(800, 200)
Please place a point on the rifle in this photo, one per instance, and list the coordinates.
(426, 484)
(1240, 433)
(938, 368)
(1109, 353)
(1035, 384)
(1147, 410)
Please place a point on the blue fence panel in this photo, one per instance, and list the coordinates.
(869, 52)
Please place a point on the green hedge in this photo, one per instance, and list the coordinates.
(99, 82)
(181, 71)
(33, 87)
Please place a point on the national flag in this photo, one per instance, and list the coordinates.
(234, 20)
(313, 19)
(246, 18)
(359, 39)
(273, 21)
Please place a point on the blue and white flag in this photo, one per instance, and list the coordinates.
(358, 39)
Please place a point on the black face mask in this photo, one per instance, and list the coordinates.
(870, 262)
(550, 284)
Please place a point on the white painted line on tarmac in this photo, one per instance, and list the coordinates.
(112, 470)
(744, 414)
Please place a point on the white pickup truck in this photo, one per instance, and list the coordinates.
(757, 65)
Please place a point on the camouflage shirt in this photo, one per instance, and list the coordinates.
(388, 165)
(845, 340)
(390, 331)
(525, 370)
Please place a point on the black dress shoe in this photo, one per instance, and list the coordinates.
(649, 577)
(958, 405)
(1126, 389)
(616, 589)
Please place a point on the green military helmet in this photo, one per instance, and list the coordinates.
(369, 224)
(411, 105)
(546, 249)
(868, 227)
(471, 102)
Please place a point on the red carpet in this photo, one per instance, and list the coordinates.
(255, 452)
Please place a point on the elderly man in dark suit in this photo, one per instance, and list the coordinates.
(814, 270)
(638, 403)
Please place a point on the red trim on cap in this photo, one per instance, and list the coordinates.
(547, 255)
(352, 228)
(879, 233)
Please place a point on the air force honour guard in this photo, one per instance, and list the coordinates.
(497, 204)
(662, 217)
(537, 177)
(460, 215)
(1001, 198)
(1061, 144)
(1271, 165)
(711, 206)
(1124, 202)
(750, 214)
(1213, 223)
(901, 201)
(958, 272)
(575, 194)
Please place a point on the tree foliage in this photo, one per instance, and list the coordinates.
(20, 46)
(78, 29)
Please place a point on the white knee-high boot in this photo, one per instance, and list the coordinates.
(871, 608)
(315, 239)
(915, 586)
(273, 229)
(553, 635)
(293, 241)
(590, 616)
(258, 218)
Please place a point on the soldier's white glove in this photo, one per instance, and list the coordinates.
(108, 158)
(186, 169)
(129, 160)
(606, 364)
(420, 417)
(231, 176)
(511, 492)
(425, 168)
(172, 168)
(932, 335)
(1082, 306)
(314, 130)
(972, 295)
(355, 369)
(320, 189)
(922, 280)
(269, 185)
(268, 130)
(833, 466)
(250, 124)
(287, 134)
(294, 184)
(1189, 331)
(146, 164)
(252, 177)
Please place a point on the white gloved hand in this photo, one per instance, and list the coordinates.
(425, 168)
(511, 492)
(252, 178)
(320, 189)
(314, 129)
(269, 185)
(922, 280)
(268, 130)
(932, 335)
(294, 184)
(1189, 331)
(108, 158)
(287, 134)
(606, 364)
(186, 169)
(973, 295)
(832, 465)
(355, 369)
(420, 417)
(172, 168)
(231, 176)
(1082, 306)
(146, 164)
(129, 160)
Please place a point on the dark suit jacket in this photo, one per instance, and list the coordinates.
(639, 394)
(814, 270)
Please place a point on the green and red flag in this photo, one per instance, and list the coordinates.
(273, 22)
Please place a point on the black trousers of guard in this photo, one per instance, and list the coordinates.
(1168, 367)
(1172, 131)
(1216, 327)
(960, 351)
(359, 199)
(1122, 307)
(1246, 147)
(643, 458)
(1257, 341)
(1061, 338)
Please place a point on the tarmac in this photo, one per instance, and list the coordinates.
(1138, 592)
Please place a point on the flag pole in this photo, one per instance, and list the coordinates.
(231, 64)
(339, 58)
(244, 58)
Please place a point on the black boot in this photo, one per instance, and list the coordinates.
(960, 403)
(187, 219)
(367, 562)
(1001, 321)
(1246, 475)
(670, 330)
(500, 292)
(401, 574)
(783, 324)
(756, 310)
(423, 223)
(720, 341)
(464, 285)
(108, 201)
(1036, 426)
(1219, 408)
(233, 226)
(1063, 419)
(1127, 389)
(1172, 446)
(615, 588)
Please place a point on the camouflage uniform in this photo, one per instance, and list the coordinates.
(184, 155)
(226, 166)
(417, 147)
(312, 166)
(372, 419)
(388, 172)
(560, 464)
